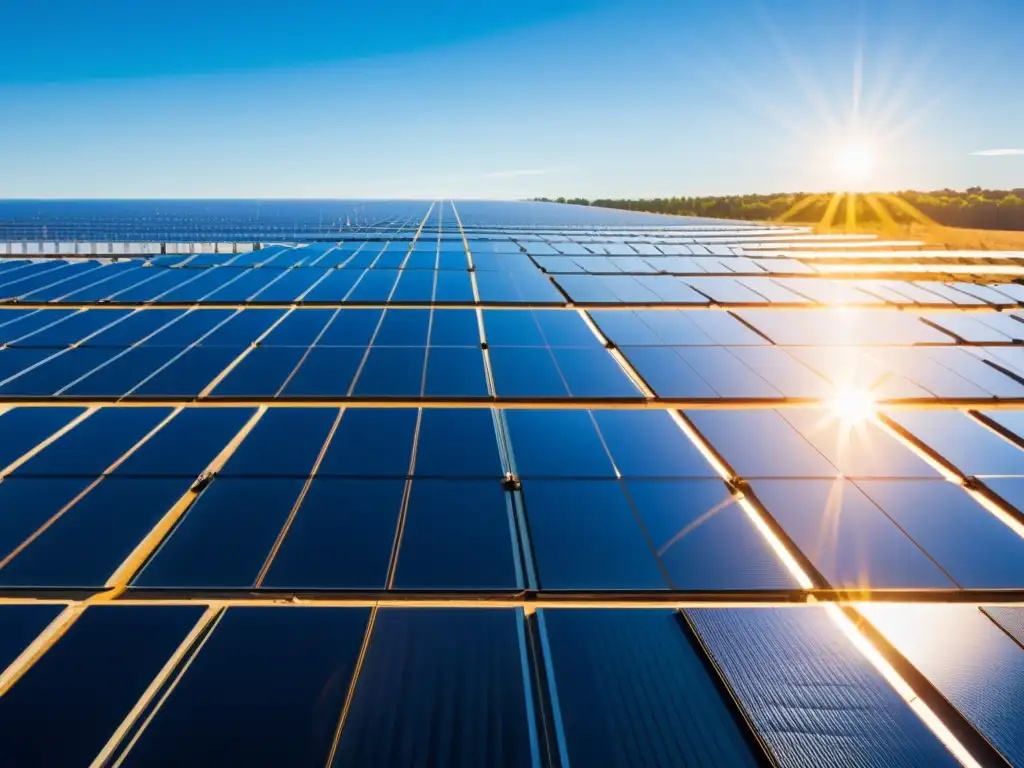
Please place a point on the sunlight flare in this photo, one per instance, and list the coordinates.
(853, 405)
(855, 163)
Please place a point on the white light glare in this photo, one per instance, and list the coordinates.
(852, 405)
(855, 162)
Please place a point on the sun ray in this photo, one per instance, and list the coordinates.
(851, 212)
(909, 209)
(695, 524)
(799, 206)
(830, 213)
(885, 219)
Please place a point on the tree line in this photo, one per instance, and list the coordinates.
(973, 208)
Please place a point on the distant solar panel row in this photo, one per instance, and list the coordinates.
(499, 280)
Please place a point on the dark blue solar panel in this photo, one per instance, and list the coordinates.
(634, 691)
(351, 327)
(289, 286)
(27, 503)
(325, 372)
(285, 441)
(391, 372)
(21, 429)
(454, 328)
(89, 541)
(426, 669)
(95, 443)
(457, 443)
(243, 328)
(190, 327)
(506, 328)
(593, 373)
(14, 360)
(529, 373)
(371, 442)
(760, 444)
(359, 519)
(16, 324)
(55, 371)
(557, 444)
(403, 328)
(586, 536)
(226, 536)
(19, 625)
(453, 286)
(704, 540)
(414, 286)
(667, 373)
(455, 372)
(122, 373)
(134, 327)
(189, 374)
(457, 535)
(650, 444)
(187, 444)
(267, 688)
(300, 328)
(261, 373)
(85, 685)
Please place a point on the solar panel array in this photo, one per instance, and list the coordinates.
(454, 491)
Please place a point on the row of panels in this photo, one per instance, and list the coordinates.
(232, 371)
(54, 328)
(437, 535)
(301, 686)
(502, 279)
(89, 282)
(616, 500)
(518, 373)
(420, 257)
(373, 442)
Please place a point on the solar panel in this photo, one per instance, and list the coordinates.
(502, 484)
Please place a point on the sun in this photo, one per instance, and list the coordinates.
(855, 163)
(852, 405)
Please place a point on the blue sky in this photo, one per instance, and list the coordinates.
(597, 98)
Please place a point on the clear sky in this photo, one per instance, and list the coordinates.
(498, 99)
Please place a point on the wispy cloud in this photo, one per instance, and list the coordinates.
(997, 152)
(516, 173)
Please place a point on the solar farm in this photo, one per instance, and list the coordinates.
(504, 484)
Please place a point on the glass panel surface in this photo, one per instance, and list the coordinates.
(341, 538)
(973, 546)
(760, 443)
(703, 539)
(266, 688)
(633, 690)
(457, 535)
(85, 685)
(586, 536)
(846, 537)
(970, 447)
(814, 698)
(433, 666)
(557, 444)
(976, 666)
(226, 535)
